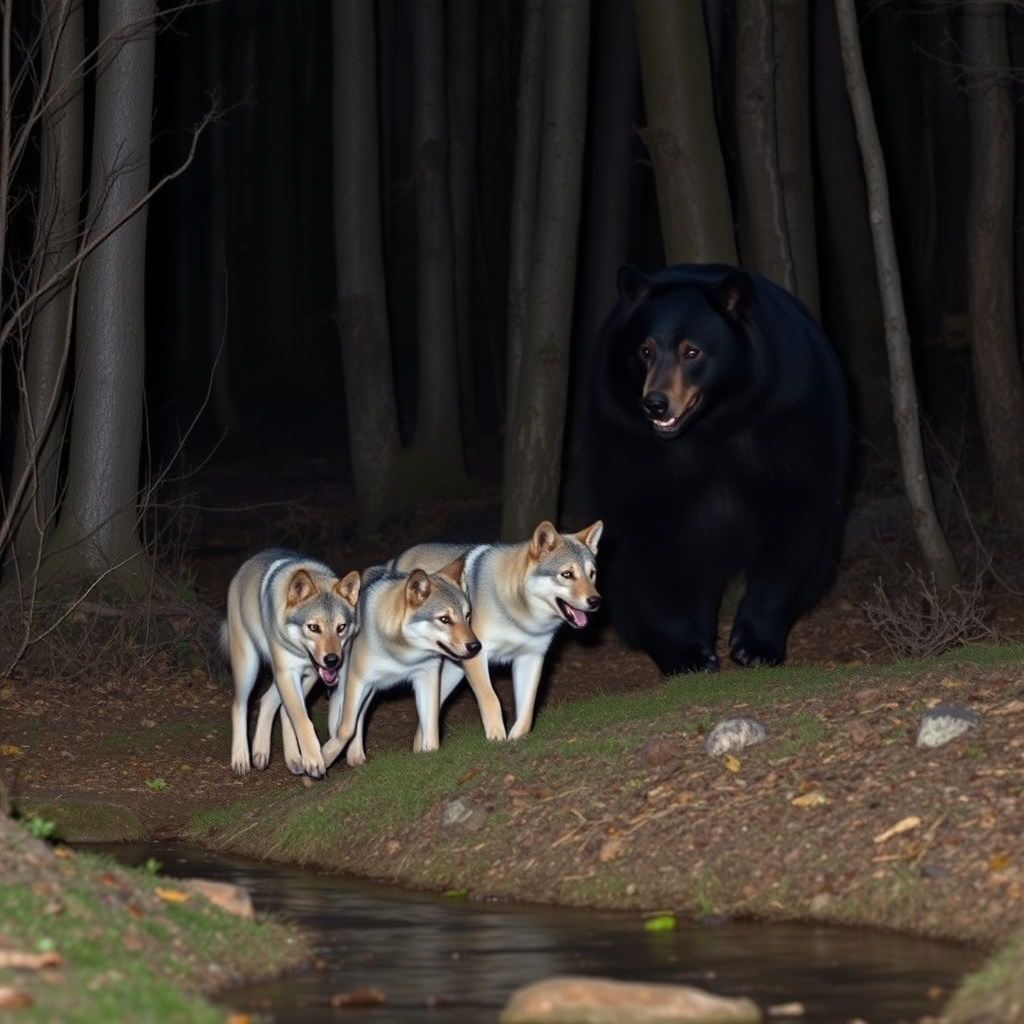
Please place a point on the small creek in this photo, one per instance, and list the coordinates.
(439, 959)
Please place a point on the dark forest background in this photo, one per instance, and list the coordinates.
(251, 332)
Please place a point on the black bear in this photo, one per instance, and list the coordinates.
(717, 448)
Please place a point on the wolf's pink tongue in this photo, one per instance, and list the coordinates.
(328, 675)
(578, 618)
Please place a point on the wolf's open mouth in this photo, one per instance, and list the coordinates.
(574, 616)
(448, 652)
(328, 675)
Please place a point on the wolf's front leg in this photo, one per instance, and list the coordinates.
(356, 694)
(293, 695)
(426, 687)
(526, 671)
(245, 667)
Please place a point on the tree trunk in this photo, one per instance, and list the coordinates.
(773, 138)
(853, 315)
(998, 381)
(36, 460)
(374, 441)
(462, 95)
(533, 443)
(681, 135)
(523, 217)
(612, 155)
(932, 541)
(97, 538)
(437, 443)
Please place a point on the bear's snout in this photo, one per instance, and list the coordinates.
(656, 405)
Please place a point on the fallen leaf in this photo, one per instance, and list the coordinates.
(998, 861)
(815, 798)
(20, 961)
(660, 923)
(369, 996)
(731, 762)
(173, 895)
(904, 825)
(12, 998)
(468, 774)
(611, 850)
(11, 750)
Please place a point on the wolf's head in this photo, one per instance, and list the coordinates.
(562, 571)
(320, 616)
(437, 612)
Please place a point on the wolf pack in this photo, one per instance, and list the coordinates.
(430, 617)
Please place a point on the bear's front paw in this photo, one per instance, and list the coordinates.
(750, 650)
(696, 660)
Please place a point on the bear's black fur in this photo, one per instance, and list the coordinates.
(717, 449)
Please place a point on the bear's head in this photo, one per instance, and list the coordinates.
(686, 339)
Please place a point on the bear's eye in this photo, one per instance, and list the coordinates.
(690, 351)
(647, 350)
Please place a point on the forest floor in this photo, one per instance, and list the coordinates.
(837, 817)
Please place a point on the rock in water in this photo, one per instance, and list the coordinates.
(576, 1000)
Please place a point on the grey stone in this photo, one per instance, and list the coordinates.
(732, 734)
(943, 723)
(462, 815)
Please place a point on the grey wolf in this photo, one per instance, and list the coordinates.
(410, 622)
(294, 614)
(520, 594)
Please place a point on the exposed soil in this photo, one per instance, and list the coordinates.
(795, 828)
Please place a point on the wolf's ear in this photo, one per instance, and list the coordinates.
(347, 588)
(455, 571)
(590, 535)
(417, 588)
(300, 588)
(544, 539)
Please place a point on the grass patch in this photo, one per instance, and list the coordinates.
(994, 993)
(394, 789)
(122, 951)
(807, 730)
(83, 820)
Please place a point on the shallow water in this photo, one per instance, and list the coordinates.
(451, 960)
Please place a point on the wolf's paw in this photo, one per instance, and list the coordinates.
(260, 759)
(496, 733)
(240, 759)
(355, 756)
(519, 730)
(313, 767)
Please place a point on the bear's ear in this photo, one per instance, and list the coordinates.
(736, 294)
(633, 284)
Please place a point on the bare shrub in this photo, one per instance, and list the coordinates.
(921, 624)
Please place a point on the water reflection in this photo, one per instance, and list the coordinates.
(454, 961)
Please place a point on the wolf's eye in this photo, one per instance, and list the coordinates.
(567, 574)
(445, 620)
(313, 627)
(342, 626)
